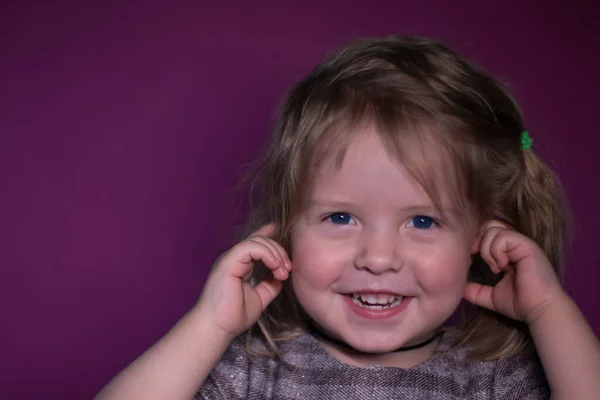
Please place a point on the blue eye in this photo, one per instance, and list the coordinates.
(422, 222)
(340, 218)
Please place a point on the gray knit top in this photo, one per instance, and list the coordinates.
(307, 371)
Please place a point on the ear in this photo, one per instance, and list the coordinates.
(477, 243)
(485, 227)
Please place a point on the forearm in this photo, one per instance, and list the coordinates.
(175, 367)
(569, 351)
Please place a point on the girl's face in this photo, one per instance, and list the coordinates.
(373, 263)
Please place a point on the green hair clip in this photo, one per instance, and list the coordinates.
(526, 141)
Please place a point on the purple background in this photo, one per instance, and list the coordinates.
(125, 126)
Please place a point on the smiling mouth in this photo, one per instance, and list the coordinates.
(375, 301)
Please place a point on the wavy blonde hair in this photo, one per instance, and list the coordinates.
(417, 90)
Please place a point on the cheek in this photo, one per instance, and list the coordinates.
(314, 262)
(445, 273)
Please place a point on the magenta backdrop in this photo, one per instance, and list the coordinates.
(126, 125)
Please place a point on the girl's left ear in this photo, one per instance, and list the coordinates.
(485, 227)
(477, 243)
(479, 238)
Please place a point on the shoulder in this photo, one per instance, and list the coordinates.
(229, 378)
(518, 376)
(521, 376)
(246, 369)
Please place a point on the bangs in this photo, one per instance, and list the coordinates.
(425, 146)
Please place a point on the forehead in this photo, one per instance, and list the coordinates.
(365, 163)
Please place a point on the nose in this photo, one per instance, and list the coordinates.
(377, 252)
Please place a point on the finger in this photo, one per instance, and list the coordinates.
(480, 295)
(279, 269)
(268, 243)
(485, 249)
(275, 264)
(283, 253)
(268, 231)
(494, 229)
(276, 249)
(248, 252)
(267, 290)
(500, 248)
(513, 248)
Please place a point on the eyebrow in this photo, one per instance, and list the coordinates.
(427, 208)
(330, 203)
(411, 209)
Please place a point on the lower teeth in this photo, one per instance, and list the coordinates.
(358, 302)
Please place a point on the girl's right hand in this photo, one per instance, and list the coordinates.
(229, 300)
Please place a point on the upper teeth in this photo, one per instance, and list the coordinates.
(376, 299)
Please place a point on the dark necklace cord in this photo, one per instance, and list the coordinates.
(320, 333)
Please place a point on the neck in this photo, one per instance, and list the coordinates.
(404, 357)
(324, 336)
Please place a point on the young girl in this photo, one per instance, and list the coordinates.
(399, 180)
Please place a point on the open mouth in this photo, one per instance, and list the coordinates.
(376, 301)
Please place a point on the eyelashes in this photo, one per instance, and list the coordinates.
(420, 222)
(340, 218)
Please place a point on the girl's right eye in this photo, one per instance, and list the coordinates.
(340, 218)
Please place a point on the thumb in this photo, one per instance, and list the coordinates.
(267, 290)
(480, 295)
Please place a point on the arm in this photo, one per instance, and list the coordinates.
(530, 291)
(568, 349)
(175, 367)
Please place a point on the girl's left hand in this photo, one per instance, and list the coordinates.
(529, 284)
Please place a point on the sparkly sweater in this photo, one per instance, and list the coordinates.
(307, 371)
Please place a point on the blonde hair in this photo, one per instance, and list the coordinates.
(417, 90)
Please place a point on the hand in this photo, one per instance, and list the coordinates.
(529, 284)
(228, 299)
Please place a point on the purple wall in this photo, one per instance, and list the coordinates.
(124, 128)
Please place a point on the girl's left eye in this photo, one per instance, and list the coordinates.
(422, 222)
(340, 218)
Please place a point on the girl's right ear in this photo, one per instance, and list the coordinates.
(267, 230)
